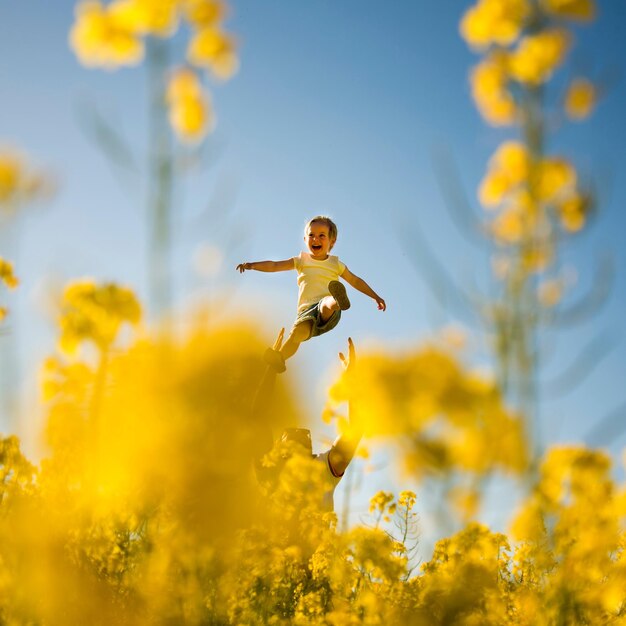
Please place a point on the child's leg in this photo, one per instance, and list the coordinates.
(299, 333)
(337, 301)
(328, 306)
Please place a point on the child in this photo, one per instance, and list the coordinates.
(321, 297)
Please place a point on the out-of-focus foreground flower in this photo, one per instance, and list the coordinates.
(9, 279)
(146, 508)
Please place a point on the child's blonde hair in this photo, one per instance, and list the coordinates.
(323, 219)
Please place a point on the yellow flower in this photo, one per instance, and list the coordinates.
(493, 189)
(381, 501)
(580, 99)
(3, 313)
(550, 292)
(537, 258)
(143, 17)
(537, 56)
(508, 226)
(466, 501)
(583, 10)
(573, 212)
(95, 313)
(6, 274)
(512, 157)
(19, 182)
(494, 21)
(10, 169)
(101, 39)
(214, 50)
(190, 112)
(508, 168)
(204, 12)
(556, 179)
(489, 80)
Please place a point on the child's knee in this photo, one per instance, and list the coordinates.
(302, 331)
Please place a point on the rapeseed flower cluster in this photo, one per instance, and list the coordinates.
(114, 35)
(146, 507)
(535, 199)
(20, 182)
(8, 278)
(430, 398)
(524, 43)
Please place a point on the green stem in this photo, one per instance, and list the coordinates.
(160, 181)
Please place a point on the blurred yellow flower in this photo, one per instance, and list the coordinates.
(508, 168)
(538, 257)
(190, 111)
(446, 419)
(202, 13)
(99, 38)
(19, 182)
(509, 226)
(10, 169)
(92, 312)
(145, 17)
(214, 50)
(512, 157)
(573, 212)
(494, 188)
(466, 501)
(6, 274)
(494, 21)
(489, 81)
(382, 502)
(537, 56)
(583, 10)
(556, 179)
(550, 292)
(580, 99)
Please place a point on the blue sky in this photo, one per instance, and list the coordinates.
(338, 108)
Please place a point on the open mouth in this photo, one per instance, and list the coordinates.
(316, 247)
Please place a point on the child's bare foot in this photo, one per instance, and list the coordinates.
(275, 360)
(338, 291)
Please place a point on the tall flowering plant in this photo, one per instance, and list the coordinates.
(125, 32)
(535, 198)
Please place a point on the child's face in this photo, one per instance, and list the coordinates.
(318, 240)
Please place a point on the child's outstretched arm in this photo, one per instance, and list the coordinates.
(360, 285)
(267, 266)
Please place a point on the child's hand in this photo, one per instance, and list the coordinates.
(381, 303)
(242, 267)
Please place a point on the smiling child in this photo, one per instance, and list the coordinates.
(321, 296)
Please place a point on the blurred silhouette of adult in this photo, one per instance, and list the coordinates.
(298, 440)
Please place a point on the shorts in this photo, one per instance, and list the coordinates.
(313, 313)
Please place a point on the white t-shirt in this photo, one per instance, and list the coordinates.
(314, 276)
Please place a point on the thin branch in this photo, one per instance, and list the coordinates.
(443, 286)
(111, 142)
(585, 363)
(608, 429)
(593, 301)
(455, 200)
